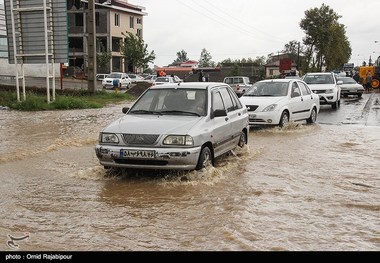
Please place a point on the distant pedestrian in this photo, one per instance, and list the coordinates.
(368, 81)
(200, 77)
(356, 77)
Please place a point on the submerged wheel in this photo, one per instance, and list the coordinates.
(242, 140)
(205, 158)
(284, 119)
(313, 116)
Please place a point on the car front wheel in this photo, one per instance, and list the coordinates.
(284, 119)
(205, 158)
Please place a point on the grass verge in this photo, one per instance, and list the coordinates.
(64, 101)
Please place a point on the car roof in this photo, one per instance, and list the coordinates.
(277, 80)
(190, 85)
(320, 73)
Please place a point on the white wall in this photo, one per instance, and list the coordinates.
(31, 70)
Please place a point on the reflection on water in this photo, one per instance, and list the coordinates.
(307, 187)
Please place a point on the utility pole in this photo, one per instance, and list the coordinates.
(91, 46)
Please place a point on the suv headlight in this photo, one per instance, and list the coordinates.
(108, 138)
(271, 107)
(329, 91)
(181, 140)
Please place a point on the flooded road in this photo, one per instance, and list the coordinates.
(303, 188)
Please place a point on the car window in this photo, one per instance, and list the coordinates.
(217, 102)
(235, 99)
(305, 90)
(227, 99)
(295, 90)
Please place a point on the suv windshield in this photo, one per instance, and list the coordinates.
(319, 79)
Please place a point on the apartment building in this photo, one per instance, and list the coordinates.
(112, 18)
(3, 34)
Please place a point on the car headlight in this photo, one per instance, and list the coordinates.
(329, 91)
(108, 138)
(183, 140)
(271, 107)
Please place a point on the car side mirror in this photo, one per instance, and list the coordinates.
(219, 113)
(339, 82)
(125, 110)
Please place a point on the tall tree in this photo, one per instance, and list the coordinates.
(136, 52)
(326, 42)
(181, 57)
(205, 59)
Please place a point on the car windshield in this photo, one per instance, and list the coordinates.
(268, 89)
(319, 79)
(347, 80)
(172, 102)
(114, 76)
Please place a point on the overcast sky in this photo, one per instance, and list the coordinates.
(249, 28)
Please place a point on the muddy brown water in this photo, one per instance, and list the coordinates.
(303, 188)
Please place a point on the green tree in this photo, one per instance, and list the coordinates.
(205, 59)
(326, 42)
(235, 71)
(103, 58)
(136, 52)
(181, 57)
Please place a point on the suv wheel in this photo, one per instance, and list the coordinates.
(336, 104)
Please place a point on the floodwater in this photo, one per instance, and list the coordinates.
(308, 187)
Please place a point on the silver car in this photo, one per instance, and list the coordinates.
(182, 126)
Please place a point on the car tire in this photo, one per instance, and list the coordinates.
(313, 116)
(360, 95)
(335, 105)
(242, 140)
(205, 158)
(284, 120)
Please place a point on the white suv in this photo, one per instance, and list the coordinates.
(238, 83)
(326, 86)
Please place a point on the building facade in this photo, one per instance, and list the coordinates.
(3, 34)
(113, 19)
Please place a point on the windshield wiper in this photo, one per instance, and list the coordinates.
(181, 112)
(145, 112)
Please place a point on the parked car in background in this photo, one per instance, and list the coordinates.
(124, 82)
(163, 80)
(101, 76)
(175, 127)
(238, 83)
(350, 87)
(280, 101)
(150, 78)
(135, 77)
(326, 86)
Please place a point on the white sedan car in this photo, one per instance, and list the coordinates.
(116, 80)
(181, 126)
(279, 101)
(350, 87)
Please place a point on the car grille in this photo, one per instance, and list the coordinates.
(252, 107)
(140, 139)
(319, 91)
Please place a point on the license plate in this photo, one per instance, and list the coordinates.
(137, 154)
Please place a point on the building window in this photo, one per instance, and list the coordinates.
(97, 20)
(132, 22)
(116, 44)
(3, 54)
(79, 19)
(139, 20)
(271, 72)
(139, 32)
(117, 20)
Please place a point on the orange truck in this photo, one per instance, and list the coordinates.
(375, 73)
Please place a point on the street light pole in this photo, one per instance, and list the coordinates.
(91, 46)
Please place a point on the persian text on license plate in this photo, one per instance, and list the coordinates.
(137, 154)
